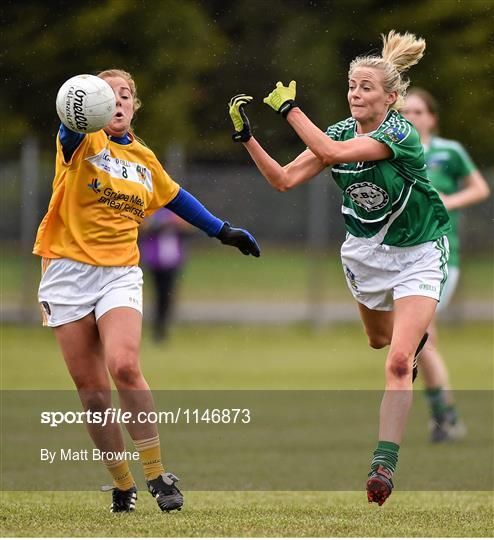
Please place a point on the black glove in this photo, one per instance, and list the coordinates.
(240, 238)
(240, 121)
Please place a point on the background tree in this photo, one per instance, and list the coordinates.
(190, 57)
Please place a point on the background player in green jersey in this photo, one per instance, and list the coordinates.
(395, 253)
(459, 184)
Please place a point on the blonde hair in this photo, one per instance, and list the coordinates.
(399, 53)
(128, 77)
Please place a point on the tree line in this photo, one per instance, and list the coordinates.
(189, 57)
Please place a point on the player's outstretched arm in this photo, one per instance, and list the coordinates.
(194, 212)
(329, 152)
(70, 140)
(282, 178)
(302, 169)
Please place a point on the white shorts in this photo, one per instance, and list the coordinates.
(377, 274)
(69, 290)
(449, 288)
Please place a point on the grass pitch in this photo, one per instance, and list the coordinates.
(212, 357)
(257, 514)
(249, 357)
(279, 275)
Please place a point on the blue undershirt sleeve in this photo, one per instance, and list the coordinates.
(70, 140)
(191, 210)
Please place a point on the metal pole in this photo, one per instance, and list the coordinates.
(30, 166)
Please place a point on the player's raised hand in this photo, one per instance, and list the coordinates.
(240, 238)
(282, 98)
(240, 121)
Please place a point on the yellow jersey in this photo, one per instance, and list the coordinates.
(100, 196)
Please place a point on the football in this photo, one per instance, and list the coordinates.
(85, 103)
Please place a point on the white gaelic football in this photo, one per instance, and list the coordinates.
(85, 103)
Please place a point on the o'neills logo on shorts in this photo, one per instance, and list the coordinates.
(368, 196)
(74, 109)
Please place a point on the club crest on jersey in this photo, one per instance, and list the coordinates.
(368, 196)
(141, 173)
(394, 134)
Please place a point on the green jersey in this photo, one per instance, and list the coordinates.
(391, 200)
(447, 163)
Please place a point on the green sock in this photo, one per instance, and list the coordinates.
(386, 455)
(451, 414)
(437, 403)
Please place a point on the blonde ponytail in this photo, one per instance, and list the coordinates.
(399, 53)
(402, 50)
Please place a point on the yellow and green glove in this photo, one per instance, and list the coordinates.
(240, 121)
(282, 98)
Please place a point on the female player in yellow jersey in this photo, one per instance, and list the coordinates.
(460, 184)
(395, 252)
(91, 289)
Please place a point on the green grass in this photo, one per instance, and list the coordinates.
(216, 273)
(231, 357)
(242, 357)
(243, 514)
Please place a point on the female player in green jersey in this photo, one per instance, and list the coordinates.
(460, 184)
(395, 253)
